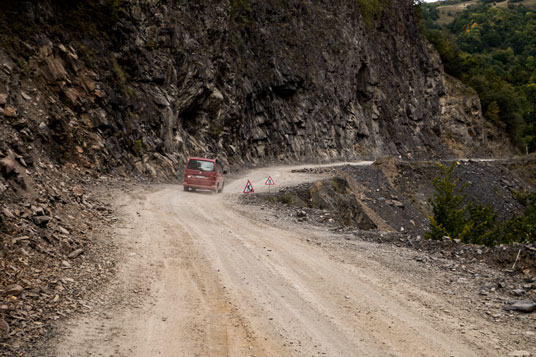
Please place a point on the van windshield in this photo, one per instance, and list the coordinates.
(201, 165)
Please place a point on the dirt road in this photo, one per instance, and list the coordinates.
(203, 276)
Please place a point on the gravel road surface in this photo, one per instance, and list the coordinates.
(201, 275)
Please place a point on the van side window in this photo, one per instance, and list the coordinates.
(220, 170)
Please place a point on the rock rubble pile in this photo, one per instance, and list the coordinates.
(49, 259)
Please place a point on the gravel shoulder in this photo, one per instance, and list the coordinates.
(201, 274)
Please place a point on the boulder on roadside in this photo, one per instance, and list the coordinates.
(521, 306)
(75, 253)
(301, 213)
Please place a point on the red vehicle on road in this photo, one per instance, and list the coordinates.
(204, 174)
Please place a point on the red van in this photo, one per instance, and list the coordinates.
(205, 174)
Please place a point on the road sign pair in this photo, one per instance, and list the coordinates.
(249, 186)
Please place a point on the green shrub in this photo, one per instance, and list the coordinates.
(521, 229)
(286, 199)
(138, 145)
(517, 230)
(479, 227)
(447, 206)
(122, 78)
(473, 222)
(215, 131)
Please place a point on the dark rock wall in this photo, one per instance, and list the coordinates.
(144, 84)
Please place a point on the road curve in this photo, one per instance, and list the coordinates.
(201, 276)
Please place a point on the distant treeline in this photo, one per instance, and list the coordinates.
(493, 50)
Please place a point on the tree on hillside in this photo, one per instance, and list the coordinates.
(530, 90)
(493, 50)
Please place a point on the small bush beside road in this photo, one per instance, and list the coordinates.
(471, 222)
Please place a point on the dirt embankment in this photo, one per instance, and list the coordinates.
(52, 255)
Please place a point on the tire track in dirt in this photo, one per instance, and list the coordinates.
(201, 277)
(183, 310)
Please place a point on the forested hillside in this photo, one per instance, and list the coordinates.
(491, 47)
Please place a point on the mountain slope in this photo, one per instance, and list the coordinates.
(490, 47)
(448, 10)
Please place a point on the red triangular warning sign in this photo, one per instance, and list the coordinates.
(270, 181)
(249, 188)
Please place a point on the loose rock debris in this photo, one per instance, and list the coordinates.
(51, 262)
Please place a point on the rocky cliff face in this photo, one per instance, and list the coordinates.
(144, 84)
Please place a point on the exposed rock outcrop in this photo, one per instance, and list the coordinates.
(464, 131)
(147, 84)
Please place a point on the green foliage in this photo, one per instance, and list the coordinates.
(528, 200)
(286, 199)
(493, 50)
(479, 226)
(335, 185)
(270, 199)
(120, 73)
(138, 145)
(369, 9)
(215, 131)
(447, 206)
(84, 51)
(122, 78)
(149, 44)
(520, 229)
(471, 222)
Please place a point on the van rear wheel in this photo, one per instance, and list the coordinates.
(221, 188)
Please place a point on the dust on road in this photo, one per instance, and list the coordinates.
(202, 276)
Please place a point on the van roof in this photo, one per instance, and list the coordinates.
(201, 158)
